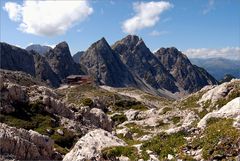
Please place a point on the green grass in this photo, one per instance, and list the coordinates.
(111, 153)
(220, 139)
(139, 130)
(164, 144)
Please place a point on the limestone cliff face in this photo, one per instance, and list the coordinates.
(190, 77)
(106, 66)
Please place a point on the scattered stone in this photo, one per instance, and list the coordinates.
(60, 132)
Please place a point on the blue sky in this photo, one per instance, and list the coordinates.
(186, 24)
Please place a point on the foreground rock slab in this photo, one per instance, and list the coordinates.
(25, 145)
(90, 145)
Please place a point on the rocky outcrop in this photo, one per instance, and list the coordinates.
(41, 49)
(230, 110)
(143, 64)
(18, 77)
(25, 145)
(105, 65)
(89, 146)
(190, 77)
(17, 59)
(61, 61)
(44, 71)
(218, 92)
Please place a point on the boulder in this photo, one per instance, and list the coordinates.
(230, 110)
(89, 146)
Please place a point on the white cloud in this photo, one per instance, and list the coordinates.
(147, 15)
(228, 52)
(13, 10)
(48, 18)
(209, 7)
(158, 33)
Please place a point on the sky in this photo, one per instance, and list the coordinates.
(199, 28)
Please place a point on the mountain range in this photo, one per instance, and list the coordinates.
(127, 63)
(219, 67)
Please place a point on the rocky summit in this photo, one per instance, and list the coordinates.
(61, 61)
(143, 64)
(106, 66)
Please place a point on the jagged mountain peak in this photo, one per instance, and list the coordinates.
(171, 56)
(105, 65)
(191, 78)
(130, 41)
(101, 43)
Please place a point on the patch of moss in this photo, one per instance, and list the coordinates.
(119, 118)
(87, 102)
(129, 104)
(164, 144)
(176, 119)
(111, 153)
(61, 150)
(66, 140)
(165, 110)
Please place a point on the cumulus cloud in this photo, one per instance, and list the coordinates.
(228, 52)
(48, 18)
(147, 14)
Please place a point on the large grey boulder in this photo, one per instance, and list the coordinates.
(89, 146)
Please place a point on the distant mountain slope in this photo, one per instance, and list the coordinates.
(38, 48)
(17, 59)
(190, 77)
(143, 64)
(218, 67)
(105, 65)
(76, 57)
